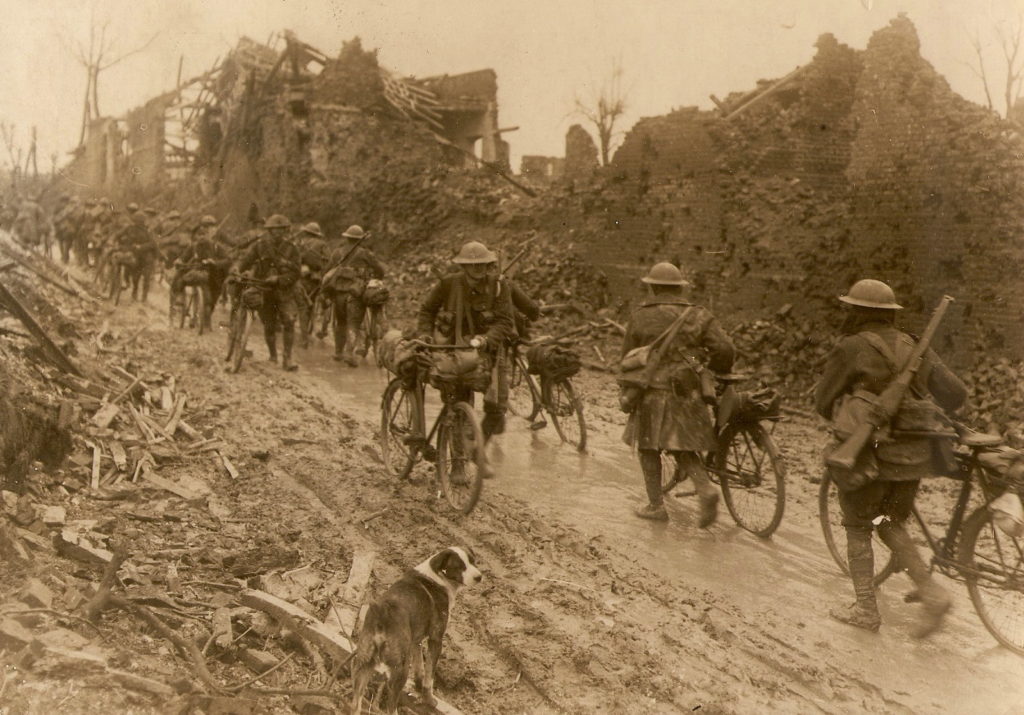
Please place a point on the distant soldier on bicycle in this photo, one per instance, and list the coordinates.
(275, 261)
(142, 244)
(671, 413)
(350, 266)
(861, 366)
(474, 303)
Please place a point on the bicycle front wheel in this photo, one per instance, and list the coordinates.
(992, 562)
(397, 409)
(752, 476)
(831, 517)
(461, 462)
(521, 390)
(567, 414)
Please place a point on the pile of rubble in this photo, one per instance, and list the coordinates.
(125, 561)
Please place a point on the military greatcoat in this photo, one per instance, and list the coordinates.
(672, 414)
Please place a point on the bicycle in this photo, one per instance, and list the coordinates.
(455, 442)
(193, 308)
(250, 300)
(745, 463)
(375, 322)
(555, 395)
(973, 550)
(122, 262)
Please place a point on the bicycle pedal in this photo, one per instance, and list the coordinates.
(429, 453)
(538, 425)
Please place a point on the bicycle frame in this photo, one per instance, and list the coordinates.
(944, 549)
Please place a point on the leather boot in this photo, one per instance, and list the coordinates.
(339, 343)
(864, 611)
(288, 336)
(270, 336)
(934, 599)
(707, 493)
(359, 342)
(650, 464)
(347, 353)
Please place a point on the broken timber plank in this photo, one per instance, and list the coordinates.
(105, 415)
(119, 455)
(353, 593)
(228, 466)
(57, 355)
(313, 630)
(94, 482)
(168, 485)
(223, 636)
(178, 407)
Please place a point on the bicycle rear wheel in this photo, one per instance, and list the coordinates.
(461, 462)
(240, 336)
(521, 390)
(831, 518)
(397, 408)
(752, 476)
(567, 414)
(992, 562)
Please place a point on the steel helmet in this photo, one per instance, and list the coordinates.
(277, 221)
(475, 252)
(313, 229)
(207, 220)
(355, 231)
(665, 274)
(133, 207)
(869, 293)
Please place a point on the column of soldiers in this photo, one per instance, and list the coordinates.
(308, 271)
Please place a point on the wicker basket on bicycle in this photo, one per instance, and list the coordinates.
(460, 369)
(553, 361)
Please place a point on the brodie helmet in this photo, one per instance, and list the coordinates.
(869, 293)
(474, 252)
(665, 274)
(277, 221)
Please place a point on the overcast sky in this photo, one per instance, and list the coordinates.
(674, 53)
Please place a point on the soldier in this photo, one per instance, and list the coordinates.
(313, 256)
(350, 266)
(65, 224)
(474, 303)
(275, 261)
(670, 414)
(142, 244)
(203, 256)
(867, 358)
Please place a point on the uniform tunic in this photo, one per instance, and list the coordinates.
(486, 310)
(672, 414)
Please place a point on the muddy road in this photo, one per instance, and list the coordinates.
(588, 608)
(585, 608)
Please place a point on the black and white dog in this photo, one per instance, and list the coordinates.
(414, 609)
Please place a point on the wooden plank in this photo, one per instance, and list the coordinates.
(228, 466)
(178, 407)
(223, 636)
(54, 353)
(168, 485)
(166, 399)
(119, 455)
(313, 630)
(105, 415)
(94, 482)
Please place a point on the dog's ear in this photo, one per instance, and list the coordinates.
(439, 562)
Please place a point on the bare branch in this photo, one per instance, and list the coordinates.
(604, 110)
(980, 70)
(126, 55)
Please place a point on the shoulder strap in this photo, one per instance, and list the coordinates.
(895, 364)
(664, 341)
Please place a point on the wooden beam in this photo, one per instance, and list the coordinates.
(766, 93)
(55, 354)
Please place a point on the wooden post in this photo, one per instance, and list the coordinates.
(55, 354)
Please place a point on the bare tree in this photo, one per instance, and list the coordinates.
(14, 152)
(1011, 42)
(100, 56)
(604, 109)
